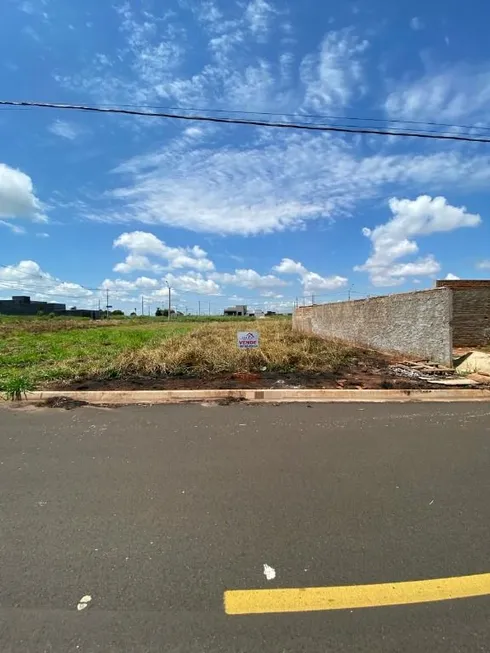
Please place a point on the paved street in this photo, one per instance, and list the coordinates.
(156, 512)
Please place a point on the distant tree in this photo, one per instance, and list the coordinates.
(117, 312)
(73, 308)
(165, 312)
(133, 314)
(158, 312)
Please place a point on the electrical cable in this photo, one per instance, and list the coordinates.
(296, 116)
(254, 123)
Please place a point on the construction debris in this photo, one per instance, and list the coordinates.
(457, 381)
(431, 373)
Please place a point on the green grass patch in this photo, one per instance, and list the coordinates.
(16, 388)
(49, 355)
(34, 353)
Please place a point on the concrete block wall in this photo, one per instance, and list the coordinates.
(302, 319)
(471, 311)
(416, 324)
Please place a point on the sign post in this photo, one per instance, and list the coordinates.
(248, 340)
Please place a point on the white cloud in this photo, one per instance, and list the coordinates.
(64, 129)
(334, 75)
(193, 132)
(288, 266)
(141, 283)
(141, 244)
(416, 24)
(311, 281)
(258, 14)
(157, 290)
(451, 277)
(452, 94)
(277, 185)
(158, 55)
(154, 52)
(130, 292)
(154, 47)
(26, 7)
(483, 265)
(279, 181)
(271, 294)
(36, 7)
(194, 282)
(426, 266)
(27, 277)
(42, 234)
(391, 241)
(134, 262)
(14, 228)
(247, 279)
(17, 197)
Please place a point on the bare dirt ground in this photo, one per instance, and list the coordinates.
(373, 374)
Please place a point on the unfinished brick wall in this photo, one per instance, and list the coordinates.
(414, 324)
(471, 311)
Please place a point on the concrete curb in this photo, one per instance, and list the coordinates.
(126, 397)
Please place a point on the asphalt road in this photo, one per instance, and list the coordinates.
(156, 511)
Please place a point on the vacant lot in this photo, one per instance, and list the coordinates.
(43, 351)
(155, 353)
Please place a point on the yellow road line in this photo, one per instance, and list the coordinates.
(311, 599)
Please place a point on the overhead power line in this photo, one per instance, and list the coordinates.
(398, 121)
(295, 116)
(46, 280)
(249, 122)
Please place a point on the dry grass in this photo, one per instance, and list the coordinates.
(15, 325)
(42, 352)
(212, 350)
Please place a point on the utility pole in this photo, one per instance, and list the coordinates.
(199, 307)
(142, 305)
(209, 308)
(312, 299)
(169, 300)
(349, 292)
(107, 307)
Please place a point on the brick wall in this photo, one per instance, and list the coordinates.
(414, 324)
(471, 311)
(462, 284)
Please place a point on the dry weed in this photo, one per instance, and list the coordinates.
(212, 349)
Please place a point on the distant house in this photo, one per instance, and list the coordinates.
(24, 305)
(235, 311)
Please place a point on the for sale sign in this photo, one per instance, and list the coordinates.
(248, 339)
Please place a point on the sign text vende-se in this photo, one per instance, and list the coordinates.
(248, 339)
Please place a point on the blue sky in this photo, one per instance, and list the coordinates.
(227, 212)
